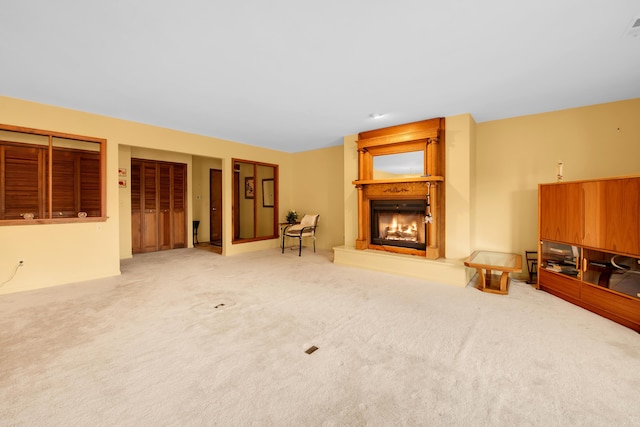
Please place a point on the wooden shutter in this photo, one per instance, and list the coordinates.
(136, 208)
(150, 200)
(24, 187)
(89, 172)
(65, 182)
(164, 214)
(179, 202)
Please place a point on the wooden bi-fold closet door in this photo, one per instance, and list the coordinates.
(158, 200)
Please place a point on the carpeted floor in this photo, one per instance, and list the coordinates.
(191, 338)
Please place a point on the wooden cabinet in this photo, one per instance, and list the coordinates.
(589, 252)
(158, 201)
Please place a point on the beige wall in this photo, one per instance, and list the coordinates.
(459, 149)
(350, 160)
(317, 186)
(514, 155)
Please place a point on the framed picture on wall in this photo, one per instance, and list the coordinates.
(249, 187)
(267, 193)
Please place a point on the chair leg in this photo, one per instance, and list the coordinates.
(300, 248)
(314, 244)
(282, 242)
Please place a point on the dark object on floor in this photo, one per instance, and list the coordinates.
(311, 349)
(196, 224)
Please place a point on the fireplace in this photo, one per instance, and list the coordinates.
(400, 209)
(398, 223)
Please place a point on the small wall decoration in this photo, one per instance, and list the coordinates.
(122, 183)
(122, 171)
(559, 171)
(267, 193)
(249, 187)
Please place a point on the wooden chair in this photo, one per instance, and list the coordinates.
(306, 228)
(532, 266)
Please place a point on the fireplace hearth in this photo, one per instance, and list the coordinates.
(398, 223)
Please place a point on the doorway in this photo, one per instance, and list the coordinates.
(215, 207)
(158, 202)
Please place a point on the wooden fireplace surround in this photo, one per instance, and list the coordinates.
(427, 136)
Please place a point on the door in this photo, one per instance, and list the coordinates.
(158, 206)
(165, 219)
(136, 209)
(215, 211)
(150, 203)
(179, 205)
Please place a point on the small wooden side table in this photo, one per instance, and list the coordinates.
(485, 262)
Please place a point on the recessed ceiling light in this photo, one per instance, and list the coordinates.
(634, 28)
(376, 116)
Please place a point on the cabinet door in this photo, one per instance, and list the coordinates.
(560, 207)
(612, 209)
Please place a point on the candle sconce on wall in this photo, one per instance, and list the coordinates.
(559, 171)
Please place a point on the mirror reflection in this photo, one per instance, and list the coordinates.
(400, 165)
(255, 197)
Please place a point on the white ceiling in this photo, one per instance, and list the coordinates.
(295, 75)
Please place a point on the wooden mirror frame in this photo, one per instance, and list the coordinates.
(264, 217)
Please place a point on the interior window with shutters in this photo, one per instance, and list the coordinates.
(50, 177)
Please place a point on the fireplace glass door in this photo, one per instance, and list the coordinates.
(398, 223)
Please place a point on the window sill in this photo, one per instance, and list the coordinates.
(39, 221)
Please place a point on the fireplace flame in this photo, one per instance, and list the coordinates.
(395, 231)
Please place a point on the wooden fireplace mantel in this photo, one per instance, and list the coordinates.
(398, 180)
(427, 136)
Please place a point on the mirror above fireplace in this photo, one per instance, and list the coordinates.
(399, 165)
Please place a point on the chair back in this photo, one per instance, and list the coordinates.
(309, 221)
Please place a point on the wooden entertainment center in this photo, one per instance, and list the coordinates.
(589, 245)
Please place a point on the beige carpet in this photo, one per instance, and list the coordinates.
(191, 338)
